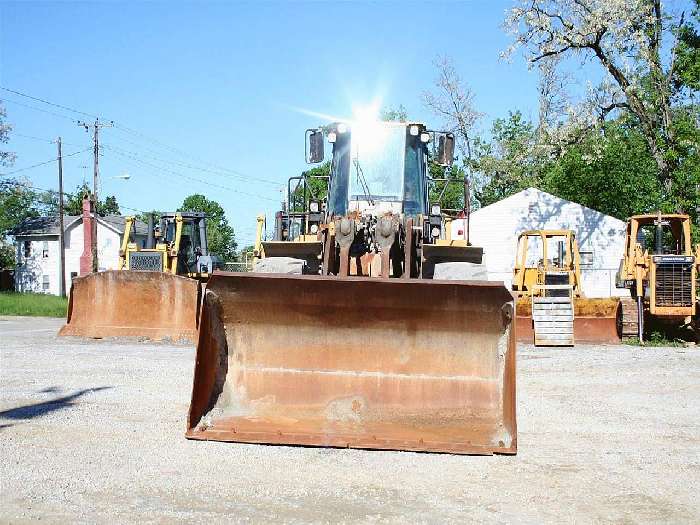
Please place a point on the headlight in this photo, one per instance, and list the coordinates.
(314, 229)
(435, 209)
(342, 128)
(413, 130)
(435, 232)
(425, 138)
(313, 206)
(331, 137)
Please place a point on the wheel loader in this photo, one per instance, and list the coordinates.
(660, 269)
(551, 308)
(362, 324)
(156, 291)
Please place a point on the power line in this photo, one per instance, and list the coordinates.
(42, 163)
(42, 139)
(188, 155)
(182, 175)
(77, 112)
(39, 109)
(198, 168)
(128, 130)
(49, 141)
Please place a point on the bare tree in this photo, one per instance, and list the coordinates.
(7, 158)
(553, 97)
(453, 102)
(626, 39)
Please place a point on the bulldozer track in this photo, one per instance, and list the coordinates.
(628, 320)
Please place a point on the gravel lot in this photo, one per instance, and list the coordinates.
(93, 431)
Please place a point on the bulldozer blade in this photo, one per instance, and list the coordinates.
(123, 303)
(356, 362)
(596, 321)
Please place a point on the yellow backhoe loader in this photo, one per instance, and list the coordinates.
(660, 269)
(156, 292)
(551, 308)
(361, 324)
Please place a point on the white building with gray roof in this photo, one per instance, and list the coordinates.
(38, 250)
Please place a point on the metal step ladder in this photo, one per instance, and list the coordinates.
(553, 315)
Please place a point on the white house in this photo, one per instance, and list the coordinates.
(38, 250)
(601, 238)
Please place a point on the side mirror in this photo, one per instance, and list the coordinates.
(314, 146)
(446, 149)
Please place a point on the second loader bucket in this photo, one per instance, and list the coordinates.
(123, 303)
(356, 362)
(595, 320)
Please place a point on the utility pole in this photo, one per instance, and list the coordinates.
(61, 239)
(95, 176)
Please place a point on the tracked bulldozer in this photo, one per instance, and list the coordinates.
(660, 270)
(363, 324)
(156, 291)
(551, 308)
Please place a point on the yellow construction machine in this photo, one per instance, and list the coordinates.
(660, 269)
(156, 292)
(551, 308)
(361, 324)
(178, 245)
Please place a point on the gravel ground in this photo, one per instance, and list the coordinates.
(93, 431)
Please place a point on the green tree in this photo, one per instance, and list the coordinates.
(394, 114)
(508, 162)
(610, 171)
(316, 187)
(73, 202)
(220, 234)
(448, 194)
(687, 71)
(17, 203)
(626, 40)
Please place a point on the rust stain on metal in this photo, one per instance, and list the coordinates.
(356, 362)
(154, 305)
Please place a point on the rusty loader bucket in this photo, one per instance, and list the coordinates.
(356, 362)
(595, 320)
(153, 305)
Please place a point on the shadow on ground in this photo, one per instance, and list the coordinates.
(46, 407)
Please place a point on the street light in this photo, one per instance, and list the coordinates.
(123, 176)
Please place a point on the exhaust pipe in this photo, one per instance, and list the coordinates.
(151, 239)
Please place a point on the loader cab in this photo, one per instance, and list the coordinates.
(184, 236)
(378, 167)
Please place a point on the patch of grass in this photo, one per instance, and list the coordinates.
(33, 304)
(654, 339)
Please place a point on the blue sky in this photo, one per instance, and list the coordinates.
(216, 84)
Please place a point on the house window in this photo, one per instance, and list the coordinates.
(45, 251)
(586, 259)
(27, 249)
(45, 283)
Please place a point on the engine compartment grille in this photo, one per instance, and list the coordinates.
(674, 284)
(146, 261)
